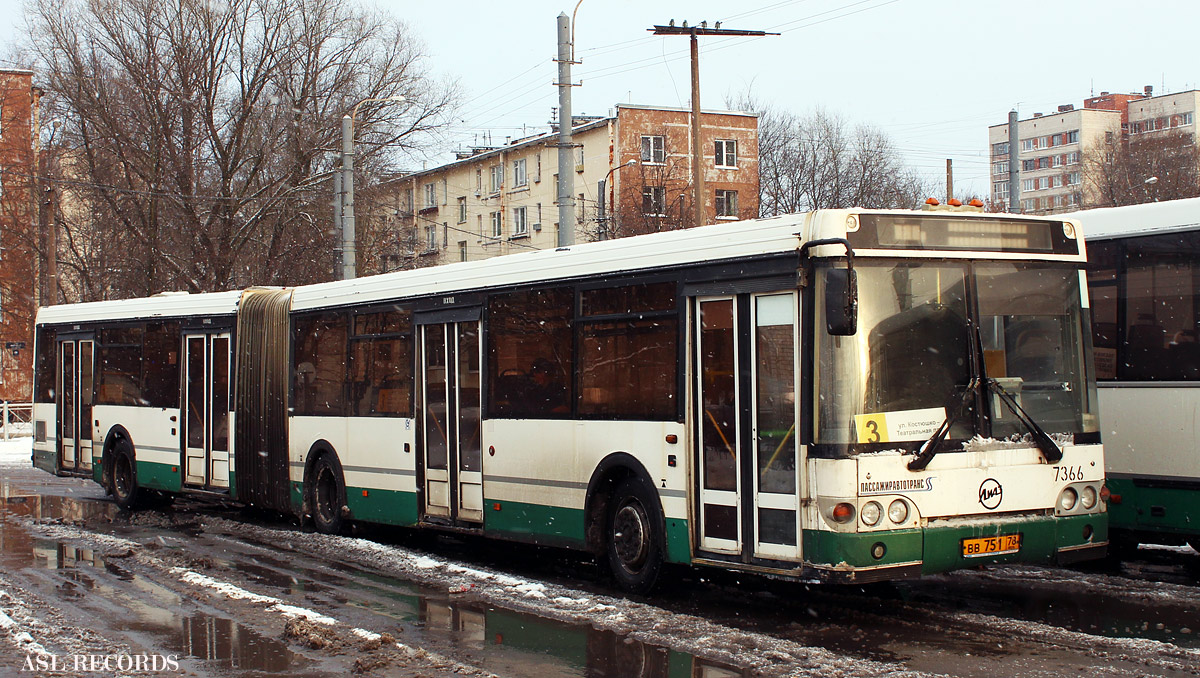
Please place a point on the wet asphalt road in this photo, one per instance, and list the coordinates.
(86, 579)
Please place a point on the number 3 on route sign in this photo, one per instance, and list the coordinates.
(872, 428)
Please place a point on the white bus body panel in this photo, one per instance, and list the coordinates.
(550, 462)
(154, 431)
(370, 449)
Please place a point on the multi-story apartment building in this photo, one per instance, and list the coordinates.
(1053, 147)
(18, 233)
(500, 200)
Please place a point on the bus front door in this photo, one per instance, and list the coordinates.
(747, 377)
(450, 417)
(76, 366)
(206, 410)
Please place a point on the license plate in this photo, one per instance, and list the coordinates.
(991, 546)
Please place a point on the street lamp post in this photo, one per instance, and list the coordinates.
(602, 193)
(349, 263)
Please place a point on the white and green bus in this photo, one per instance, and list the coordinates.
(845, 395)
(1144, 277)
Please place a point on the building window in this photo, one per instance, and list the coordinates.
(520, 221)
(431, 237)
(497, 174)
(1026, 145)
(1074, 178)
(654, 200)
(1027, 205)
(727, 204)
(478, 181)
(519, 173)
(1000, 148)
(1185, 118)
(1028, 165)
(1043, 162)
(1028, 185)
(1073, 158)
(462, 250)
(1000, 189)
(430, 195)
(1057, 160)
(654, 149)
(497, 225)
(726, 153)
(1072, 137)
(462, 210)
(1000, 167)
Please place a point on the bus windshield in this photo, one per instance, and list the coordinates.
(907, 368)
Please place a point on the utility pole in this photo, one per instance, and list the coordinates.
(1014, 165)
(337, 226)
(949, 179)
(349, 265)
(566, 142)
(697, 166)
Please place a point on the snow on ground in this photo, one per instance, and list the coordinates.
(16, 452)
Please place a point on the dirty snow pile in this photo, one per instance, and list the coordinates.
(16, 453)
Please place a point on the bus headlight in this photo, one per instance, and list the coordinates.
(871, 513)
(1066, 500)
(898, 511)
(1087, 498)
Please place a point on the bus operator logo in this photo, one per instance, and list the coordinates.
(990, 493)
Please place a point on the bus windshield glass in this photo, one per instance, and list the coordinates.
(911, 361)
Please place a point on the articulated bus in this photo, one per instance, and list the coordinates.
(1144, 279)
(843, 396)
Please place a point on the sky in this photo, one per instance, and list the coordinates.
(932, 74)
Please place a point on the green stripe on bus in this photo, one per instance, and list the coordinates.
(156, 476)
(854, 549)
(555, 523)
(389, 507)
(47, 460)
(679, 543)
(1175, 510)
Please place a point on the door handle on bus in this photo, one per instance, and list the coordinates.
(174, 418)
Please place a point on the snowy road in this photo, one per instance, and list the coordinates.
(218, 594)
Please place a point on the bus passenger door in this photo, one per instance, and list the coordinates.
(451, 421)
(747, 376)
(206, 410)
(74, 403)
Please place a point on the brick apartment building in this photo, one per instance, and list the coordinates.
(499, 200)
(1053, 146)
(18, 101)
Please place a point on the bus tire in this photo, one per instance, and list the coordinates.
(327, 496)
(634, 536)
(124, 476)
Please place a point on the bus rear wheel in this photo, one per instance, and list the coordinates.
(634, 536)
(327, 495)
(124, 476)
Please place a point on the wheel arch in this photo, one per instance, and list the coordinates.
(320, 448)
(608, 474)
(115, 434)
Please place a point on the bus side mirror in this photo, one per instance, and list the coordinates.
(841, 302)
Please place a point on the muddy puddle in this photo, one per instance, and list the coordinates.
(158, 619)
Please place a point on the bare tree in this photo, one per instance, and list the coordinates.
(202, 136)
(820, 161)
(1141, 169)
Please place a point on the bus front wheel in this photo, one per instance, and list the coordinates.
(635, 536)
(327, 495)
(124, 476)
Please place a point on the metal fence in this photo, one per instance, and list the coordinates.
(16, 420)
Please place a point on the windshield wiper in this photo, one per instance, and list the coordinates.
(930, 448)
(1051, 451)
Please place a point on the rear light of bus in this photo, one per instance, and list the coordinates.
(843, 513)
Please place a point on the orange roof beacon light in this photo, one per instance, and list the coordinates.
(954, 202)
(932, 202)
(975, 202)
